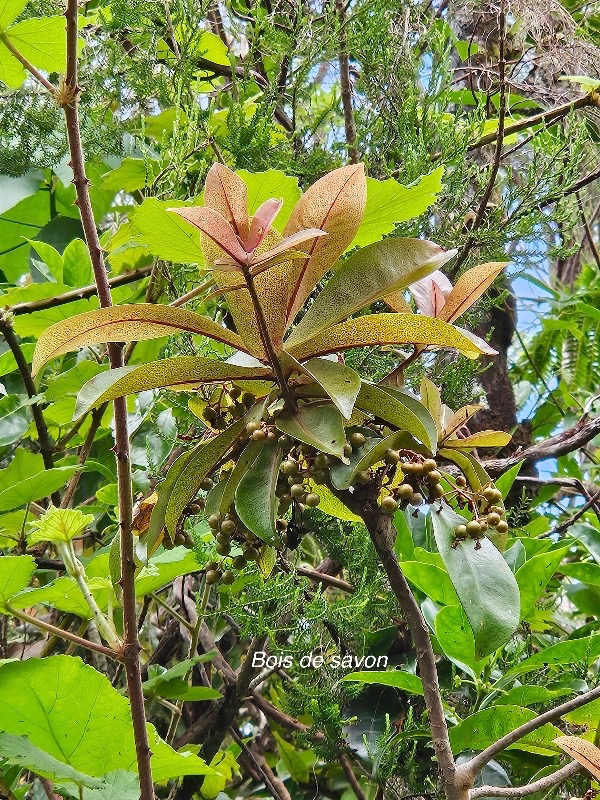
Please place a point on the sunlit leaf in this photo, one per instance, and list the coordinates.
(481, 439)
(370, 453)
(483, 728)
(15, 574)
(340, 382)
(397, 678)
(400, 410)
(59, 525)
(469, 288)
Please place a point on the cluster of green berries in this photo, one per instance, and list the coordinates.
(227, 407)
(421, 482)
(489, 513)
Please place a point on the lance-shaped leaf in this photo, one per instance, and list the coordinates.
(469, 288)
(399, 410)
(586, 753)
(226, 192)
(339, 382)
(484, 583)
(195, 470)
(366, 276)
(255, 498)
(378, 329)
(459, 418)
(370, 453)
(131, 323)
(262, 221)
(470, 466)
(481, 439)
(230, 486)
(317, 424)
(181, 373)
(216, 227)
(334, 204)
(431, 399)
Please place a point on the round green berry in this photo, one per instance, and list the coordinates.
(389, 505)
(312, 500)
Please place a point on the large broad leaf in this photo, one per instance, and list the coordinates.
(65, 595)
(195, 470)
(370, 453)
(255, 498)
(389, 202)
(486, 587)
(397, 678)
(483, 728)
(26, 480)
(15, 574)
(163, 568)
(400, 410)
(367, 276)
(40, 40)
(132, 323)
(576, 651)
(71, 711)
(181, 373)
(378, 329)
(166, 235)
(455, 636)
(335, 204)
(317, 424)
(261, 186)
(534, 575)
(431, 580)
(340, 383)
(469, 288)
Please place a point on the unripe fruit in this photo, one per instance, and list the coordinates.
(437, 490)
(281, 524)
(289, 467)
(211, 565)
(392, 457)
(418, 470)
(227, 577)
(362, 477)
(260, 435)
(493, 519)
(250, 553)
(321, 461)
(347, 449)
(228, 527)
(248, 398)
(223, 549)
(179, 539)
(223, 540)
(209, 414)
(297, 490)
(408, 467)
(219, 423)
(285, 441)
(206, 484)
(320, 476)
(312, 500)
(285, 499)
(214, 521)
(502, 526)
(235, 392)
(429, 464)
(252, 426)
(212, 576)
(405, 491)
(492, 495)
(239, 562)
(498, 510)
(357, 439)
(461, 530)
(238, 410)
(416, 499)
(461, 481)
(434, 476)
(389, 505)
(473, 528)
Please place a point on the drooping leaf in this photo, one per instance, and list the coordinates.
(132, 323)
(334, 204)
(397, 678)
(195, 470)
(367, 276)
(267, 558)
(317, 424)
(164, 491)
(534, 575)
(431, 580)
(59, 525)
(586, 753)
(340, 382)
(481, 439)
(242, 465)
(400, 410)
(71, 711)
(389, 202)
(18, 750)
(15, 574)
(378, 329)
(180, 373)
(486, 587)
(255, 498)
(483, 728)
(292, 759)
(469, 288)
(470, 466)
(370, 453)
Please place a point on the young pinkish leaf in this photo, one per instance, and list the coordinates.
(260, 224)
(226, 192)
(430, 292)
(216, 227)
(469, 288)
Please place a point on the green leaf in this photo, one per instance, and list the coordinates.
(180, 373)
(59, 525)
(77, 264)
(164, 491)
(379, 329)
(243, 464)
(131, 175)
(575, 651)
(117, 785)
(63, 594)
(370, 453)
(194, 471)
(586, 572)
(180, 670)
(397, 678)
(212, 48)
(483, 728)
(127, 323)
(486, 587)
(389, 202)
(7, 360)
(455, 636)
(432, 581)
(10, 10)
(534, 575)
(41, 40)
(292, 759)
(272, 183)
(52, 259)
(163, 568)
(166, 235)
(366, 276)
(504, 482)
(400, 410)
(71, 711)
(255, 498)
(25, 480)
(317, 424)
(529, 696)
(470, 466)
(340, 383)
(19, 751)
(15, 574)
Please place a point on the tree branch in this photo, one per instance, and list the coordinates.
(468, 771)
(554, 779)
(345, 85)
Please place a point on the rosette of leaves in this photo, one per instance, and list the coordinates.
(289, 423)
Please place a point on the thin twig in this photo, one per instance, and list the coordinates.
(578, 514)
(346, 85)
(328, 580)
(352, 779)
(554, 779)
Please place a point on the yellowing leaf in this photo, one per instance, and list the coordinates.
(397, 302)
(377, 329)
(267, 558)
(587, 754)
(334, 204)
(129, 323)
(332, 505)
(181, 373)
(366, 276)
(59, 525)
(431, 399)
(469, 288)
(459, 418)
(481, 439)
